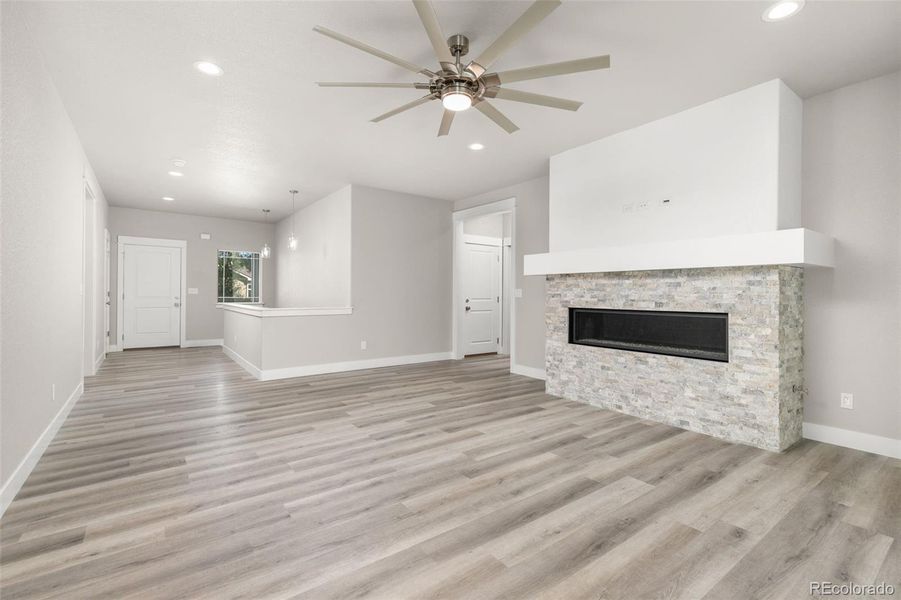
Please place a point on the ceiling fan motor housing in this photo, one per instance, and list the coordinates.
(458, 44)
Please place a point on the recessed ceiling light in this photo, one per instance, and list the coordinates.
(476, 146)
(176, 173)
(208, 68)
(168, 198)
(782, 10)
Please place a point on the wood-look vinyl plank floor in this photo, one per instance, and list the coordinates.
(177, 475)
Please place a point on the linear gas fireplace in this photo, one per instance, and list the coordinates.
(688, 334)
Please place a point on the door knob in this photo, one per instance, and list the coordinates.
(468, 308)
(177, 304)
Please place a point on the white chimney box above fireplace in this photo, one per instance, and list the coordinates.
(727, 167)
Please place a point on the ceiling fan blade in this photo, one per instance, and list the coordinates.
(446, 122)
(497, 116)
(530, 98)
(534, 15)
(429, 19)
(363, 84)
(406, 106)
(561, 68)
(374, 51)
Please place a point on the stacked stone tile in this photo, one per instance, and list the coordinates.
(755, 398)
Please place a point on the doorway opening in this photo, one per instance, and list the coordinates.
(88, 277)
(484, 275)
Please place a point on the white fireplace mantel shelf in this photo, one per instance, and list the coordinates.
(795, 247)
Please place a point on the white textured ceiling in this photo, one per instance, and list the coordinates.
(124, 71)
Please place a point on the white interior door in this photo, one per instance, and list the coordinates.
(106, 290)
(152, 296)
(481, 298)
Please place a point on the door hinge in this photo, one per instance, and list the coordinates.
(498, 299)
(498, 340)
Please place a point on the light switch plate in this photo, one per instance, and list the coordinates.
(205, 236)
(192, 291)
(517, 293)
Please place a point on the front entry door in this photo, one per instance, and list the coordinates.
(481, 302)
(152, 296)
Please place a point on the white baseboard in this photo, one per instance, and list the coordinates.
(18, 477)
(201, 343)
(243, 362)
(532, 372)
(852, 439)
(338, 367)
(98, 362)
(114, 348)
(353, 365)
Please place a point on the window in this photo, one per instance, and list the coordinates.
(239, 276)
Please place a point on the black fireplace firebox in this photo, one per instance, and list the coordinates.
(689, 334)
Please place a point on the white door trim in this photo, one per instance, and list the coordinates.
(502, 207)
(126, 240)
(482, 240)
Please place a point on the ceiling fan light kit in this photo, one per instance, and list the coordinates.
(456, 97)
(459, 86)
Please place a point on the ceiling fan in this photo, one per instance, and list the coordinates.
(460, 86)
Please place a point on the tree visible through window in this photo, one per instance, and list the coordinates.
(239, 276)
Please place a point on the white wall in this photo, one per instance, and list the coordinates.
(204, 320)
(44, 169)
(728, 166)
(852, 191)
(531, 238)
(317, 273)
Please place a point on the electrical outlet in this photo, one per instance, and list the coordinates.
(628, 208)
(644, 205)
(517, 293)
(362, 344)
(847, 400)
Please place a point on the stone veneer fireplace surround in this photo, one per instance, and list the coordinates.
(754, 399)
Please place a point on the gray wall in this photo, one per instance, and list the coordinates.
(317, 273)
(41, 312)
(490, 225)
(402, 272)
(204, 320)
(401, 290)
(531, 237)
(852, 191)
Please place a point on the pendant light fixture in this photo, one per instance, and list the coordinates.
(292, 241)
(266, 251)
